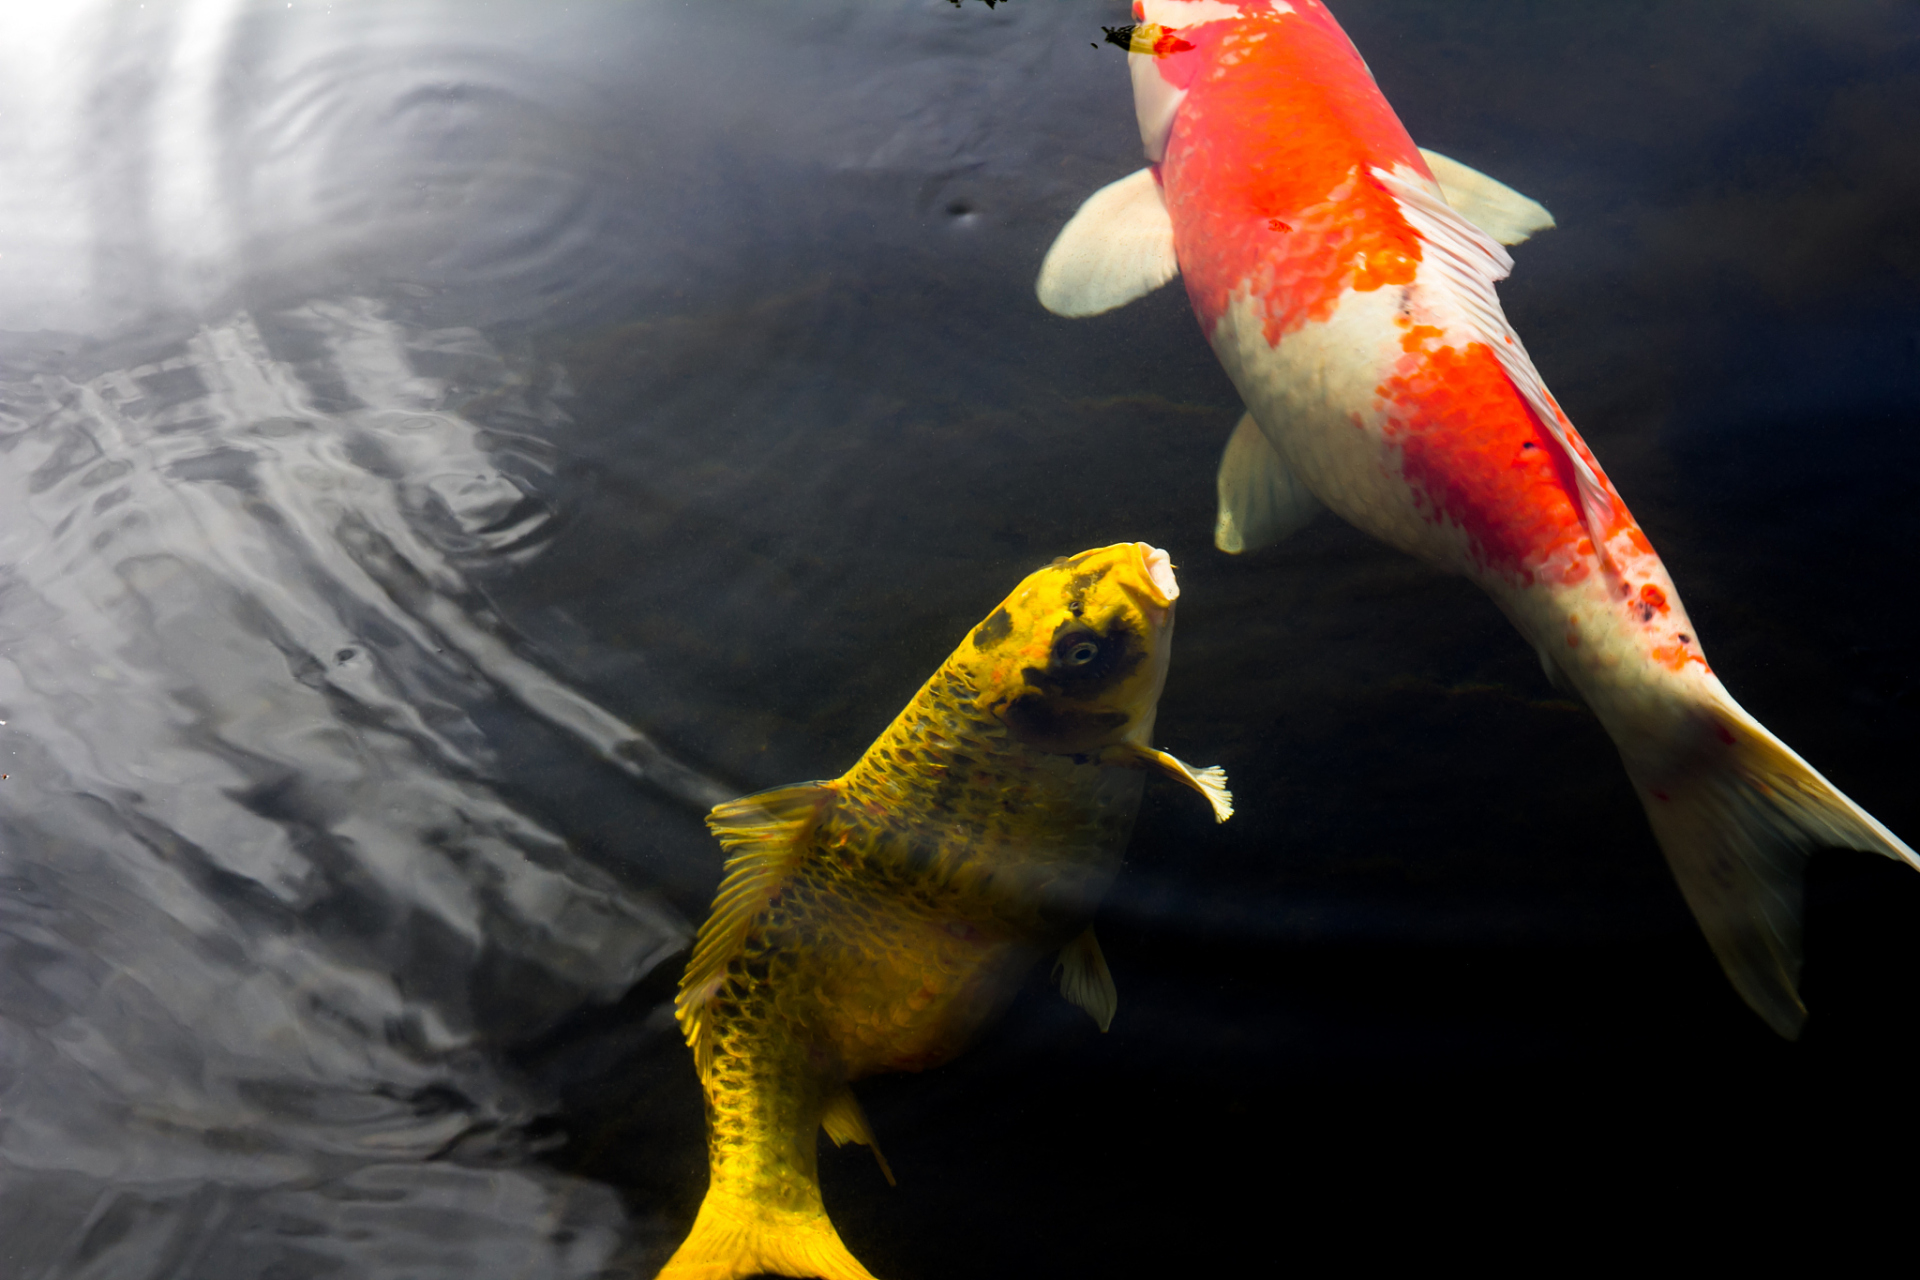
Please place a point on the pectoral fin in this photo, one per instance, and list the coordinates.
(1118, 247)
(1210, 782)
(765, 835)
(845, 1122)
(1492, 206)
(1085, 979)
(1261, 500)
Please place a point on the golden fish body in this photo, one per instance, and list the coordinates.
(878, 921)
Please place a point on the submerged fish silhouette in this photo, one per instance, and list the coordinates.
(1353, 305)
(876, 922)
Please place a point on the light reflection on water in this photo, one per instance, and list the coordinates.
(263, 893)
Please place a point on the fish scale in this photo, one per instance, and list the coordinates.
(878, 921)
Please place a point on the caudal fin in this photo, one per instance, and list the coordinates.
(1737, 822)
(732, 1238)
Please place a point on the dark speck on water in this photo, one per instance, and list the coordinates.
(446, 449)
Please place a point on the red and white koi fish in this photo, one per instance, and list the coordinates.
(1346, 280)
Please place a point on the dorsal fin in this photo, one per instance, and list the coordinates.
(1471, 262)
(845, 1122)
(765, 836)
(1487, 203)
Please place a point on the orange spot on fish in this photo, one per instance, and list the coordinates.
(1652, 601)
(1274, 224)
(1675, 657)
(1420, 337)
(1168, 43)
(1382, 267)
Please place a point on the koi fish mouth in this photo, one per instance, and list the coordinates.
(1157, 567)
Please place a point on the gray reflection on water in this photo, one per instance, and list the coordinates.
(165, 156)
(261, 896)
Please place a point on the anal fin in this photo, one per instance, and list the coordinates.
(1085, 979)
(845, 1122)
(1118, 247)
(1261, 499)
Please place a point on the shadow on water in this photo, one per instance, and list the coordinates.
(446, 448)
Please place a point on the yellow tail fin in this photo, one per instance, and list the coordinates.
(1737, 820)
(733, 1237)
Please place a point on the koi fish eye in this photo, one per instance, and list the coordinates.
(1083, 659)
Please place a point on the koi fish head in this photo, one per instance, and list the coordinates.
(1173, 41)
(1074, 660)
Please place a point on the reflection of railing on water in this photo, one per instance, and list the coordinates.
(263, 900)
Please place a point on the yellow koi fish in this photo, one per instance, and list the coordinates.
(878, 921)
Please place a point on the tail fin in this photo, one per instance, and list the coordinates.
(1737, 825)
(733, 1237)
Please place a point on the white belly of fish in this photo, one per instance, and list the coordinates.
(1316, 398)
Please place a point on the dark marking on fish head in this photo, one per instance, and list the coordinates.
(995, 629)
(1074, 659)
(1081, 583)
(1065, 706)
(1084, 661)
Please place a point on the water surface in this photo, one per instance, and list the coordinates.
(449, 446)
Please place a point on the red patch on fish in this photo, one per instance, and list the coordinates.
(1469, 445)
(1283, 123)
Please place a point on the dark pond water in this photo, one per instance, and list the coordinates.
(445, 447)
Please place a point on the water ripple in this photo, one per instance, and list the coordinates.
(263, 890)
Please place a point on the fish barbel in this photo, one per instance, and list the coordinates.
(1346, 281)
(878, 921)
